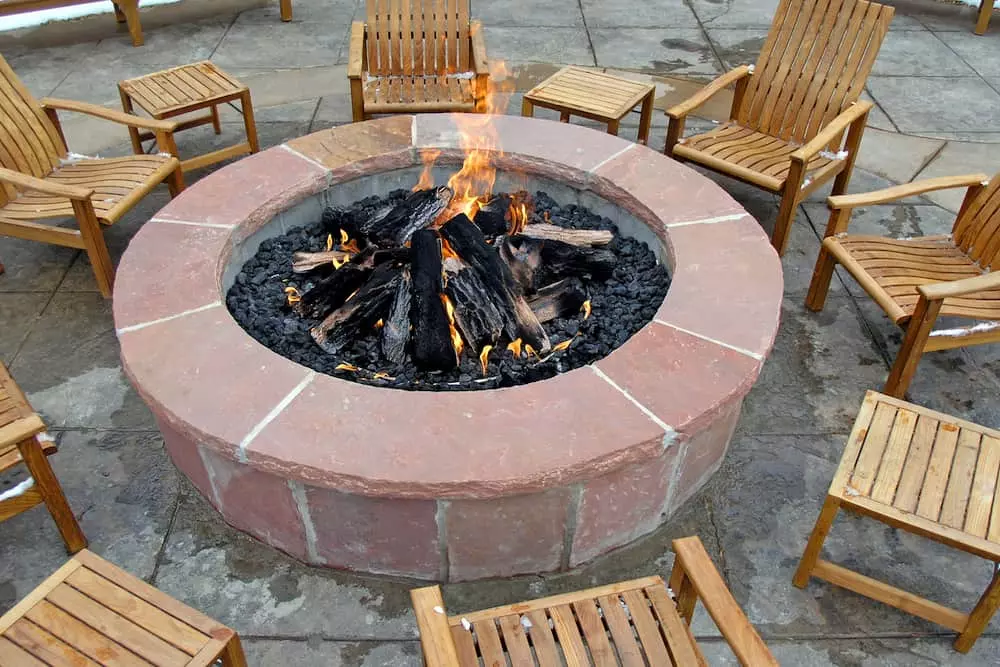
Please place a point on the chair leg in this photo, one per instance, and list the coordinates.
(130, 10)
(815, 545)
(249, 122)
(286, 10)
(357, 100)
(917, 332)
(52, 494)
(786, 216)
(985, 12)
(133, 133)
(675, 128)
(232, 655)
(686, 597)
(175, 182)
(851, 145)
(980, 615)
(97, 249)
(820, 284)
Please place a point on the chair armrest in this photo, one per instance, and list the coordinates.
(435, 632)
(114, 116)
(905, 190)
(716, 86)
(21, 429)
(26, 182)
(697, 567)
(479, 62)
(937, 291)
(355, 62)
(832, 130)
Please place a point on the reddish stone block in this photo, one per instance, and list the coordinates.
(352, 150)
(421, 444)
(381, 535)
(501, 537)
(169, 268)
(256, 503)
(703, 453)
(248, 193)
(726, 284)
(184, 454)
(682, 379)
(622, 506)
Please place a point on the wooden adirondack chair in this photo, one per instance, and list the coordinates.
(39, 182)
(792, 108)
(417, 56)
(915, 280)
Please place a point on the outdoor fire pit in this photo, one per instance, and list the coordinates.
(375, 461)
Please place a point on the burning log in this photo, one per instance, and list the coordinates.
(304, 262)
(432, 342)
(360, 312)
(417, 211)
(494, 216)
(479, 317)
(553, 260)
(331, 292)
(498, 281)
(522, 263)
(396, 330)
(560, 299)
(574, 237)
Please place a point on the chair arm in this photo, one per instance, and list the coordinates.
(832, 130)
(21, 429)
(114, 116)
(435, 632)
(479, 62)
(716, 86)
(26, 182)
(355, 61)
(905, 190)
(937, 291)
(741, 636)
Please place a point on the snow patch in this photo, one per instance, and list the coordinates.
(965, 331)
(91, 398)
(17, 490)
(43, 16)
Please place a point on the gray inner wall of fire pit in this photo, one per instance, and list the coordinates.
(348, 192)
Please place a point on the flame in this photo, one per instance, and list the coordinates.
(530, 351)
(344, 238)
(447, 252)
(484, 361)
(515, 347)
(294, 296)
(379, 324)
(456, 338)
(329, 241)
(586, 309)
(346, 367)
(545, 216)
(350, 246)
(518, 218)
(339, 263)
(428, 157)
(562, 346)
(382, 375)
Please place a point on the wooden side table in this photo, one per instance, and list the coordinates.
(90, 612)
(595, 95)
(182, 90)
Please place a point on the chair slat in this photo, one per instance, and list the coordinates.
(488, 641)
(956, 497)
(546, 652)
(73, 632)
(570, 641)
(679, 639)
(871, 452)
(515, 639)
(645, 625)
(45, 646)
(12, 654)
(938, 469)
(601, 653)
(914, 471)
(984, 488)
(891, 467)
(464, 645)
(621, 631)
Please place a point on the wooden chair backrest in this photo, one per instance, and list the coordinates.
(977, 229)
(29, 142)
(813, 65)
(418, 37)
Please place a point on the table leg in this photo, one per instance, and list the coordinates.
(133, 133)
(646, 118)
(216, 123)
(246, 105)
(527, 108)
(563, 116)
(613, 127)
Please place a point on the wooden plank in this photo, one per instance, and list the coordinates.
(85, 639)
(956, 497)
(984, 488)
(43, 645)
(464, 41)
(488, 640)
(546, 651)
(679, 640)
(938, 468)
(465, 649)
(601, 653)
(406, 30)
(854, 442)
(863, 477)
(650, 639)
(440, 44)
(621, 631)
(515, 640)
(12, 654)
(35, 596)
(569, 636)
(894, 456)
(911, 479)
(395, 37)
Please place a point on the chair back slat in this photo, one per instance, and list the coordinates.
(418, 37)
(813, 65)
(977, 230)
(29, 142)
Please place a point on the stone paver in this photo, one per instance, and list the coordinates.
(934, 78)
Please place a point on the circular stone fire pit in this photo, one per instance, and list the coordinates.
(457, 485)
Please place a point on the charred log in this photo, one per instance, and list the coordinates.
(396, 329)
(574, 237)
(432, 346)
(480, 316)
(493, 217)
(360, 312)
(522, 261)
(304, 262)
(417, 211)
(559, 299)
(335, 220)
(331, 292)
(563, 260)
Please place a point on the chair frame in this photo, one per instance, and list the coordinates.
(919, 326)
(851, 119)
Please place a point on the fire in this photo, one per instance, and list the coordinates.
(586, 309)
(344, 238)
(562, 346)
(346, 367)
(447, 252)
(382, 375)
(518, 218)
(428, 157)
(338, 263)
(294, 296)
(484, 361)
(456, 338)
(379, 324)
(515, 347)
(530, 351)
(329, 241)
(350, 246)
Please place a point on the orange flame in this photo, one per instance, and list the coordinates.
(346, 367)
(344, 238)
(338, 263)
(586, 309)
(428, 157)
(382, 375)
(562, 346)
(329, 241)
(515, 347)
(350, 246)
(294, 296)
(484, 358)
(530, 351)
(447, 252)
(379, 324)
(518, 218)
(456, 338)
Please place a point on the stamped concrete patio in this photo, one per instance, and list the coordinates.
(937, 89)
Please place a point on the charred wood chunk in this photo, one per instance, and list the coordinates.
(481, 317)
(432, 346)
(493, 217)
(562, 260)
(396, 330)
(575, 237)
(523, 261)
(335, 219)
(331, 292)
(306, 262)
(360, 312)
(560, 299)
(418, 210)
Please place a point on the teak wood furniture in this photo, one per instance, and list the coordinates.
(646, 625)
(791, 109)
(126, 11)
(985, 13)
(186, 89)
(926, 473)
(90, 613)
(415, 56)
(596, 95)
(915, 280)
(39, 180)
(23, 440)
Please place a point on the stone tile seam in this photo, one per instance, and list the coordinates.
(315, 163)
(210, 471)
(709, 221)
(753, 355)
(308, 527)
(241, 453)
(618, 153)
(191, 223)
(668, 430)
(168, 318)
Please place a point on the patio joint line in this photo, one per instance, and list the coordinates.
(308, 527)
(161, 320)
(241, 455)
(709, 221)
(192, 223)
(668, 429)
(305, 157)
(734, 348)
(611, 157)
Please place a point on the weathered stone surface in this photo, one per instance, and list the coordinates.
(702, 455)
(360, 148)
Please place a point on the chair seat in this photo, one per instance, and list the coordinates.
(891, 269)
(111, 179)
(17, 420)
(392, 94)
(749, 155)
